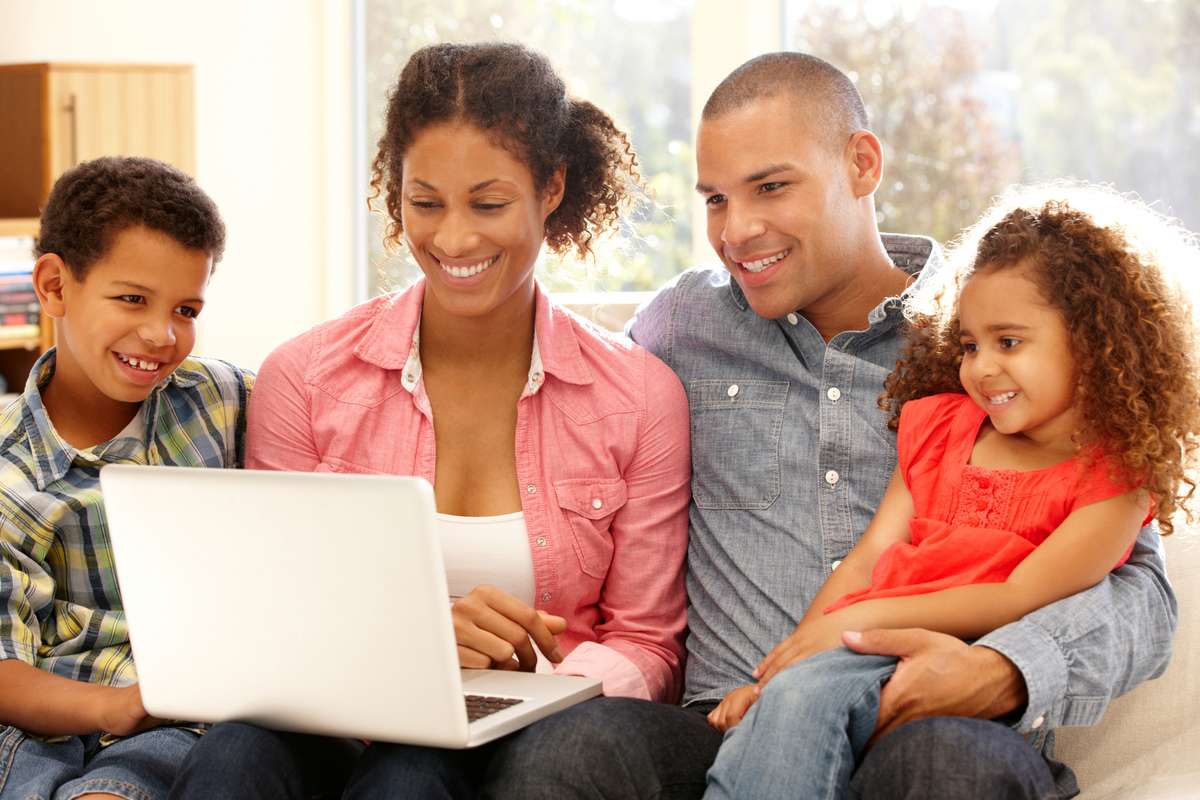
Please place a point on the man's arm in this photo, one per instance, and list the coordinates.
(1060, 665)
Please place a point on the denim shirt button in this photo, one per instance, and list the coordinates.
(793, 318)
(732, 390)
(1037, 723)
(834, 393)
(832, 477)
(837, 563)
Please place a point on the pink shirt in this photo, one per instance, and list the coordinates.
(602, 459)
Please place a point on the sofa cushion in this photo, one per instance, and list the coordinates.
(1145, 748)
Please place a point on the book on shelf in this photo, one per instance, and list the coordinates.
(19, 318)
(16, 255)
(9, 333)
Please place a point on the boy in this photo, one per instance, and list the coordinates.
(125, 252)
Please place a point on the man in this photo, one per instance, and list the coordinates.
(783, 354)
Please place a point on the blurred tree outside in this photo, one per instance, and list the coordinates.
(967, 98)
(630, 58)
(970, 97)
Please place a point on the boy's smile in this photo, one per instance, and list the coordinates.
(122, 329)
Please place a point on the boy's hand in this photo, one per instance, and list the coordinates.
(121, 713)
(729, 712)
(809, 638)
(495, 630)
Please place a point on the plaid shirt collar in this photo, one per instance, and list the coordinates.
(52, 455)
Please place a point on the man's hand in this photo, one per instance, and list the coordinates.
(939, 676)
(729, 712)
(809, 638)
(119, 711)
(493, 628)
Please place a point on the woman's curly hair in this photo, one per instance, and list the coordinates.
(1115, 270)
(513, 92)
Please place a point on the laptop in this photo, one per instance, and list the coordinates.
(310, 602)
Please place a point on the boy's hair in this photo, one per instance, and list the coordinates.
(1113, 268)
(94, 201)
(513, 94)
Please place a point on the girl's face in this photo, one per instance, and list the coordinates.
(473, 219)
(1017, 362)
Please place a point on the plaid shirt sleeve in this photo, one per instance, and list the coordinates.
(60, 608)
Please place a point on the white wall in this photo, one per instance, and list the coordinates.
(273, 141)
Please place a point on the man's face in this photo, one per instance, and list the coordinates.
(779, 205)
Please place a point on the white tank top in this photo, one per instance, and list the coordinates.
(491, 550)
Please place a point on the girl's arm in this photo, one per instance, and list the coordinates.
(1080, 552)
(815, 631)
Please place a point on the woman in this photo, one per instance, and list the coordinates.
(558, 453)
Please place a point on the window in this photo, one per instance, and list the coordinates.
(630, 57)
(968, 96)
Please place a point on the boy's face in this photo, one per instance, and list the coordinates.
(132, 319)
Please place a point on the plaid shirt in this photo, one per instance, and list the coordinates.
(60, 609)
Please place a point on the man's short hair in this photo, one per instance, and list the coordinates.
(825, 91)
(94, 201)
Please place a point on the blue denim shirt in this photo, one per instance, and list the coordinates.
(790, 458)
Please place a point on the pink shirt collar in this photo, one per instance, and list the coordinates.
(392, 340)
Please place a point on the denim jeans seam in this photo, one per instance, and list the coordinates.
(9, 742)
(112, 786)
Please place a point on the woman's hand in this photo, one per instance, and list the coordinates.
(729, 712)
(493, 628)
(810, 637)
(120, 711)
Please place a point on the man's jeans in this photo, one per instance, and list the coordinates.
(619, 749)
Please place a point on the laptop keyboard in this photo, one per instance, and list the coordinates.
(480, 706)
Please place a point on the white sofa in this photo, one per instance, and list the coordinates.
(1147, 747)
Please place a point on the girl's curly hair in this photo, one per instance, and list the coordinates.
(513, 92)
(1115, 270)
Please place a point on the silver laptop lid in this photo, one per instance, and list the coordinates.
(302, 601)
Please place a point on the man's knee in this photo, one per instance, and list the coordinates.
(953, 757)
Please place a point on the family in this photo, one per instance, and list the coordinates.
(843, 517)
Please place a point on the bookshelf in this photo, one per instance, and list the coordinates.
(20, 345)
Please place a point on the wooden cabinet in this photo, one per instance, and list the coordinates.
(57, 115)
(54, 116)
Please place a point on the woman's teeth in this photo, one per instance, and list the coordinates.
(762, 263)
(468, 271)
(148, 366)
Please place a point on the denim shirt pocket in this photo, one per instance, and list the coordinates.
(735, 442)
(589, 506)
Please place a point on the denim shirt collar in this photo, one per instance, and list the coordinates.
(52, 455)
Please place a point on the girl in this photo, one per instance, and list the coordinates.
(558, 453)
(1048, 406)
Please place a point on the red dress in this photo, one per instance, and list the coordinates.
(972, 525)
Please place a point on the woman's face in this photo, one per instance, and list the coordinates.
(473, 219)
